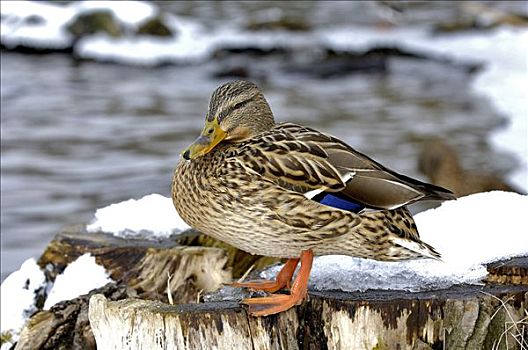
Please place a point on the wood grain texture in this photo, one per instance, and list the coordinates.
(466, 317)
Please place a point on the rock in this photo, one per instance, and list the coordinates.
(282, 23)
(34, 20)
(250, 51)
(252, 62)
(155, 27)
(464, 317)
(238, 71)
(323, 63)
(96, 21)
(481, 16)
(440, 163)
(332, 63)
(336, 64)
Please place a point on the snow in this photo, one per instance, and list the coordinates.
(78, 278)
(51, 33)
(505, 82)
(153, 214)
(16, 29)
(468, 232)
(188, 45)
(128, 12)
(18, 293)
(504, 53)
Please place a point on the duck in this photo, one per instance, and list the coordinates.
(289, 191)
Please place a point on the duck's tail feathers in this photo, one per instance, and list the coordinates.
(423, 249)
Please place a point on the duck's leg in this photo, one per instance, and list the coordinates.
(282, 280)
(276, 303)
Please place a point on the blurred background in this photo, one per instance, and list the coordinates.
(98, 98)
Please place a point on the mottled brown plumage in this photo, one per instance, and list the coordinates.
(252, 183)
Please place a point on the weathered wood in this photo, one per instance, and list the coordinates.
(195, 262)
(511, 271)
(144, 265)
(65, 325)
(464, 317)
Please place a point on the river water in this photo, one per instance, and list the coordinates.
(77, 136)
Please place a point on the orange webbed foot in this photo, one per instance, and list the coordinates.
(272, 304)
(276, 303)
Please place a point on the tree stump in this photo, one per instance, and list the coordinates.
(187, 265)
(195, 263)
(462, 317)
(134, 314)
(65, 325)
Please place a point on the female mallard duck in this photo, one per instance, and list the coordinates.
(289, 191)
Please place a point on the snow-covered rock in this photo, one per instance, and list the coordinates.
(35, 24)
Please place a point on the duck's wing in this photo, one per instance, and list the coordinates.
(316, 164)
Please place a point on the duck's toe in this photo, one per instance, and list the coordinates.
(272, 304)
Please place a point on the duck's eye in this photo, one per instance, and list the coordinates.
(210, 131)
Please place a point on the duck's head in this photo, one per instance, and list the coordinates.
(237, 111)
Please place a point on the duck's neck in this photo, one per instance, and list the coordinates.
(260, 118)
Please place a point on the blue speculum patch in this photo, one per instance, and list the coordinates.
(336, 200)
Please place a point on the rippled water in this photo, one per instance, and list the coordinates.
(78, 136)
